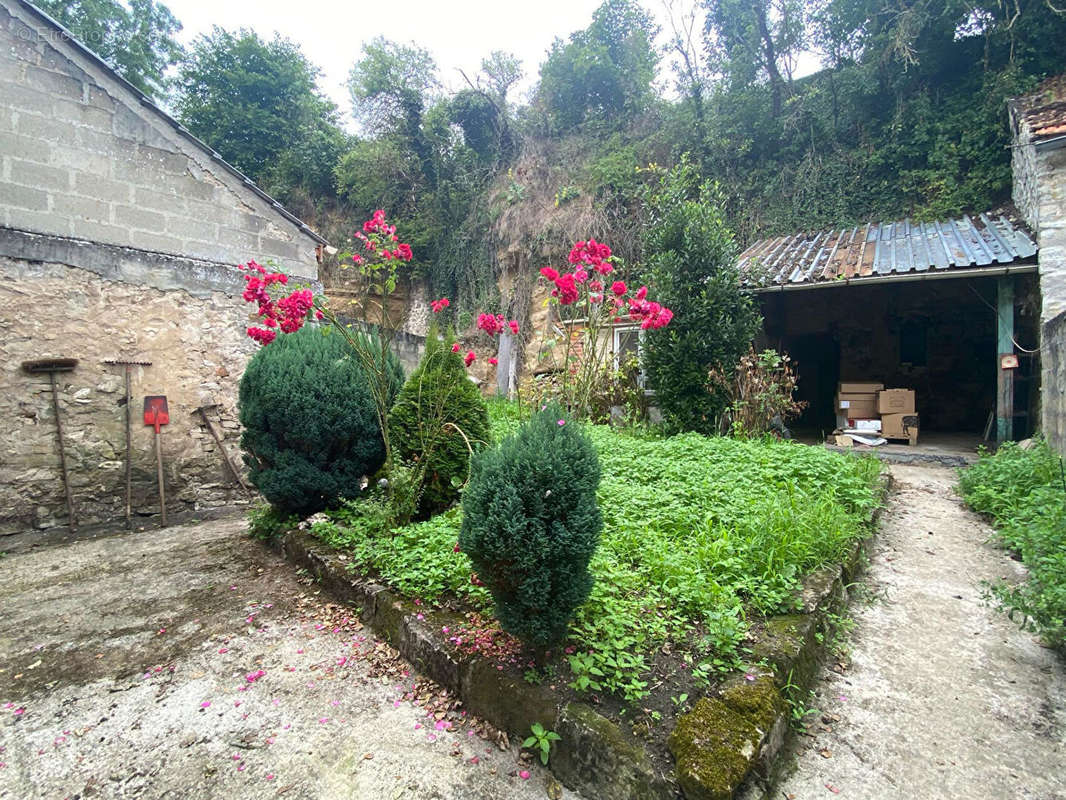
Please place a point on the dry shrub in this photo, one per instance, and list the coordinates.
(760, 393)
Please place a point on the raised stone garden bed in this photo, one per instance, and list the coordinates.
(725, 746)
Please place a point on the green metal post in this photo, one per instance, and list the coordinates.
(1005, 379)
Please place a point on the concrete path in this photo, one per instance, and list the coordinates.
(944, 697)
(193, 663)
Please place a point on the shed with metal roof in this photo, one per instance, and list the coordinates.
(921, 305)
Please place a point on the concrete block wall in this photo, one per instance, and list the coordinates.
(81, 156)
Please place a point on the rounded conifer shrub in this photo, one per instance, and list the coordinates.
(310, 429)
(439, 417)
(531, 525)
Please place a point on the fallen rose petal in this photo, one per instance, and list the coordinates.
(204, 704)
(524, 774)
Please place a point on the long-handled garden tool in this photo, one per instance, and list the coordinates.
(156, 415)
(129, 433)
(52, 366)
(202, 411)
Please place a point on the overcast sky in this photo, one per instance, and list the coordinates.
(459, 33)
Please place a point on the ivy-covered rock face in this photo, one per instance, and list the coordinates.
(531, 525)
(311, 433)
(438, 420)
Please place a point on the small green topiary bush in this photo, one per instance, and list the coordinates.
(310, 429)
(531, 525)
(437, 402)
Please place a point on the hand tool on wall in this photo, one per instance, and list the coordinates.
(52, 366)
(202, 411)
(129, 433)
(156, 415)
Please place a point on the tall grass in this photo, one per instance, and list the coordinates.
(1024, 491)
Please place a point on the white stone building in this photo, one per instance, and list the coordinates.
(119, 236)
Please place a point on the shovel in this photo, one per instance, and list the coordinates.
(156, 415)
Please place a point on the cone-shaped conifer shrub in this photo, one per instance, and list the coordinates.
(531, 525)
(310, 429)
(437, 402)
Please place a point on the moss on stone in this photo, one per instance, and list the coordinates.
(717, 742)
(594, 758)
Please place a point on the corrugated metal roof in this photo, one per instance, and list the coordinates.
(886, 249)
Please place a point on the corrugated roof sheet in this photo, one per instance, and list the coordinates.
(1044, 111)
(886, 249)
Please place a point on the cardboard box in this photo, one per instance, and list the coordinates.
(900, 426)
(860, 388)
(858, 406)
(872, 425)
(896, 401)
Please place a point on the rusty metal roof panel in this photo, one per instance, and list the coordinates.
(887, 249)
(1044, 111)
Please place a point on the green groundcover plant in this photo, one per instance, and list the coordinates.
(1024, 491)
(700, 536)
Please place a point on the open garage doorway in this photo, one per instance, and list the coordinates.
(939, 338)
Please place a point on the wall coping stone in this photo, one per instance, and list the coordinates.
(163, 271)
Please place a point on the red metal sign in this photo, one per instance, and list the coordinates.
(155, 411)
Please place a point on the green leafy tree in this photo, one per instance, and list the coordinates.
(136, 38)
(311, 433)
(603, 73)
(691, 263)
(757, 40)
(438, 421)
(427, 159)
(391, 86)
(531, 525)
(257, 103)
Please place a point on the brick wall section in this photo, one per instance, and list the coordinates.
(81, 156)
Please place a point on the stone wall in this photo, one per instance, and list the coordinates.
(82, 155)
(1053, 419)
(1052, 240)
(1040, 193)
(1025, 183)
(185, 324)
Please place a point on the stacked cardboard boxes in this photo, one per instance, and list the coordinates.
(871, 409)
(857, 402)
(899, 415)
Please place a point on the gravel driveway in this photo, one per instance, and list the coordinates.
(193, 662)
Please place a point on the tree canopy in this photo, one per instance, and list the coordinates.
(257, 103)
(905, 115)
(135, 38)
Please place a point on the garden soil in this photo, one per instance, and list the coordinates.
(192, 662)
(941, 696)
